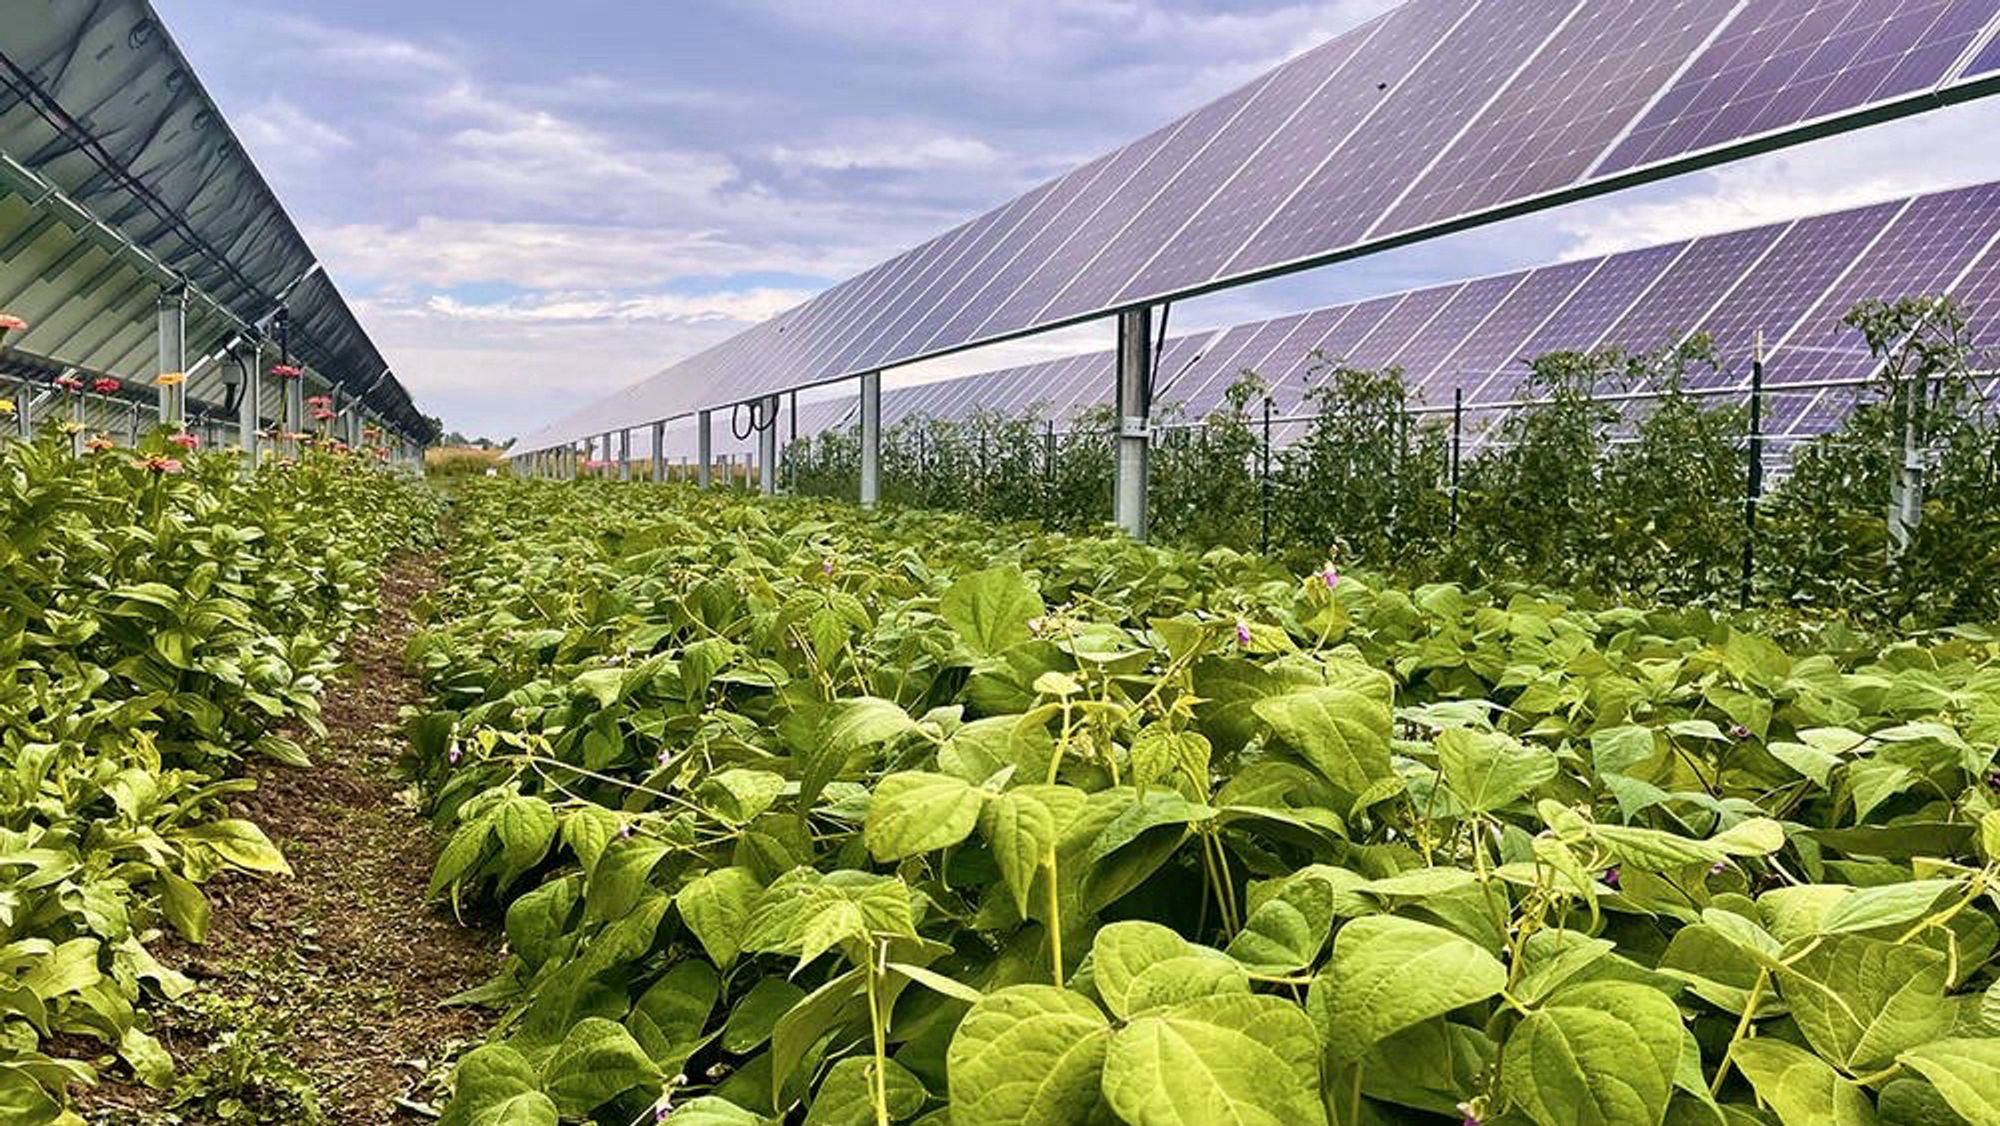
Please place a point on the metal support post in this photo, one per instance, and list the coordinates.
(659, 453)
(1264, 484)
(249, 395)
(173, 356)
(704, 470)
(1457, 450)
(625, 454)
(871, 439)
(1135, 408)
(767, 449)
(1753, 490)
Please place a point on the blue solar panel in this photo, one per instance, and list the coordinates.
(1247, 141)
(1498, 343)
(1924, 251)
(1422, 355)
(1367, 86)
(1547, 129)
(1360, 179)
(1204, 398)
(1679, 302)
(1790, 280)
(1988, 60)
(1786, 61)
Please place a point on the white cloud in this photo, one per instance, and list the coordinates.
(891, 153)
(740, 307)
(279, 132)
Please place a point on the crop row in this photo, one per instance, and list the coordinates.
(163, 615)
(799, 813)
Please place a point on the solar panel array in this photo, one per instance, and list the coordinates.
(1436, 114)
(1792, 282)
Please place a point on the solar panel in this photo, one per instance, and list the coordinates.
(1988, 60)
(1675, 306)
(1425, 352)
(1498, 342)
(1441, 112)
(1928, 246)
(1787, 61)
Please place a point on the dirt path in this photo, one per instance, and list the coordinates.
(325, 987)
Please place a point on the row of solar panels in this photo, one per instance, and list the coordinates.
(1434, 116)
(98, 103)
(1788, 283)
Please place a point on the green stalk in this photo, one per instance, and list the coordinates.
(880, 1092)
(1055, 923)
(1742, 1028)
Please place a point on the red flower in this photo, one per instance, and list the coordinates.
(104, 385)
(159, 464)
(11, 323)
(68, 383)
(286, 371)
(322, 415)
(186, 441)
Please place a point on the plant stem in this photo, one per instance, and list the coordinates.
(1055, 923)
(881, 1039)
(1742, 1028)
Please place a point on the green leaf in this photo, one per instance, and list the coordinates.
(716, 907)
(240, 843)
(740, 795)
(1861, 1001)
(596, 1062)
(1341, 732)
(184, 906)
(991, 609)
(601, 685)
(526, 829)
(1023, 827)
(847, 1096)
(753, 1016)
(846, 727)
(1803, 1089)
(1031, 1055)
(497, 1086)
(914, 812)
(1388, 973)
(1965, 1072)
(712, 1110)
(1599, 1053)
(1488, 770)
(1248, 1060)
(1122, 950)
(1289, 927)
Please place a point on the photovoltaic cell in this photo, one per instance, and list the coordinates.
(1054, 270)
(1234, 151)
(1498, 343)
(1427, 107)
(1421, 356)
(1674, 307)
(1774, 297)
(1201, 399)
(1548, 127)
(1786, 61)
(1221, 351)
(1360, 90)
(1928, 246)
(1590, 312)
(1988, 60)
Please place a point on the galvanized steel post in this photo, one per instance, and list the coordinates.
(1135, 408)
(172, 375)
(767, 448)
(659, 453)
(704, 470)
(871, 439)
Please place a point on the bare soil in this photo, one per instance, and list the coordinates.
(331, 980)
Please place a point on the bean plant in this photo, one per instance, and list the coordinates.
(795, 813)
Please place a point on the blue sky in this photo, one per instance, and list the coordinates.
(531, 205)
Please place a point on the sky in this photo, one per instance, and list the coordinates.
(531, 206)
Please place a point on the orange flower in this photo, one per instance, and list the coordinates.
(99, 443)
(170, 379)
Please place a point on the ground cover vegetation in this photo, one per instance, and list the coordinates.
(1584, 490)
(165, 619)
(799, 813)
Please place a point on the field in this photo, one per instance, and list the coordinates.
(794, 812)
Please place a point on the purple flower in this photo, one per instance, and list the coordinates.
(1242, 633)
(1739, 732)
(452, 756)
(826, 568)
(1611, 877)
(625, 831)
(666, 756)
(1718, 868)
(1330, 576)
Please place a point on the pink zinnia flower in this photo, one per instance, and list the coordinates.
(1330, 576)
(158, 464)
(186, 441)
(322, 415)
(99, 443)
(11, 323)
(68, 383)
(286, 371)
(106, 386)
